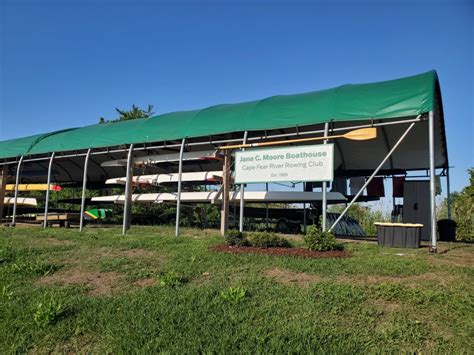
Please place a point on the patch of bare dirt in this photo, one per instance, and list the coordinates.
(98, 283)
(202, 279)
(145, 282)
(298, 252)
(442, 279)
(77, 344)
(137, 253)
(85, 256)
(288, 277)
(459, 257)
(385, 306)
(108, 252)
(50, 242)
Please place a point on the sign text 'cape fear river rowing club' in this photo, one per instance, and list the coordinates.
(304, 163)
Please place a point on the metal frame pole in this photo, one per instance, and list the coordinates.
(225, 192)
(84, 187)
(266, 209)
(304, 212)
(128, 193)
(46, 203)
(242, 190)
(3, 183)
(180, 176)
(325, 184)
(17, 181)
(432, 181)
(152, 147)
(372, 176)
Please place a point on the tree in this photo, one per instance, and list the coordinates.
(364, 215)
(462, 210)
(132, 114)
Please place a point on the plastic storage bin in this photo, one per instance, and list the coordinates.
(399, 235)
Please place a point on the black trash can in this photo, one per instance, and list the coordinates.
(447, 230)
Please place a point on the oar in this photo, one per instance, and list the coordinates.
(361, 134)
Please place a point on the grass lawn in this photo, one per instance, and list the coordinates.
(62, 291)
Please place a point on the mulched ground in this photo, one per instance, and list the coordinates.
(300, 252)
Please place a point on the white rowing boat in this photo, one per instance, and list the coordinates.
(211, 196)
(157, 179)
(21, 201)
(165, 158)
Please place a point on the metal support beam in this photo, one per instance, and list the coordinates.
(372, 176)
(304, 217)
(46, 203)
(17, 181)
(225, 192)
(216, 197)
(242, 191)
(325, 184)
(84, 187)
(180, 177)
(267, 225)
(3, 184)
(127, 208)
(223, 141)
(433, 247)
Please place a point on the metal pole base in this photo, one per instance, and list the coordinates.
(433, 250)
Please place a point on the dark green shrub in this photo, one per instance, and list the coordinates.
(235, 238)
(317, 240)
(365, 216)
(268, 240)
(462, 210)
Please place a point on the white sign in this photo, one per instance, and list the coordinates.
(303, 163)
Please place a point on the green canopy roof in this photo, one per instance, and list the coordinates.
(403, 97)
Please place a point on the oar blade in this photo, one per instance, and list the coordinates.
(362, 134)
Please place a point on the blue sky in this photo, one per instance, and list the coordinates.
(66, 63)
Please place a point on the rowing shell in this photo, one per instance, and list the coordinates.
(33, 187)
(157, 179)
(21, 201)
(212, 196)
(165, 158)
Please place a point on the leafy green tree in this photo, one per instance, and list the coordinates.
(462, 210)
(364, 215)
(134, 113)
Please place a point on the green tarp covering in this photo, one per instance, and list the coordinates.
(404, 97)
